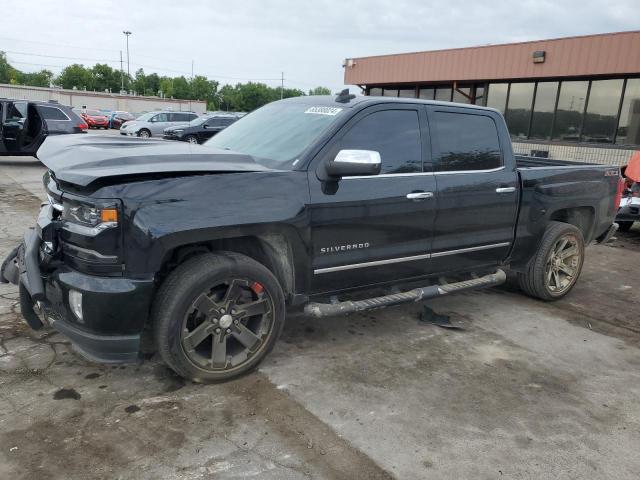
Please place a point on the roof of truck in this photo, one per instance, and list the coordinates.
(360, 100)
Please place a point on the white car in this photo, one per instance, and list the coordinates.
(153, 123)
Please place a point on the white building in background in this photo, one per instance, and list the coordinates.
(101, 101)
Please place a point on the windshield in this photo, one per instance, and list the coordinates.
(276, 134)
(145, 117)
(94, 113)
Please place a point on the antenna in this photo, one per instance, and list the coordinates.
(344, 96)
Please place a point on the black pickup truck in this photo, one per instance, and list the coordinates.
(298, 204)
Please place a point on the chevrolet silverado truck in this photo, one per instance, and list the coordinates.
(310, 203)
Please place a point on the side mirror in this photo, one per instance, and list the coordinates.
(351, 163)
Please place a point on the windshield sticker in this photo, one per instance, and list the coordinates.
(332, 111)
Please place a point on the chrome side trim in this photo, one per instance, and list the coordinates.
(470, 249)
(419, 174)
(425, 256)
(374, 263)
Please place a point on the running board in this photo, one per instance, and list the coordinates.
(417, 294)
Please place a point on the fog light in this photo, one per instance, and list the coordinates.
(75, 302)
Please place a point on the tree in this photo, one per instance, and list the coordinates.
(8, 74)
(320, 91)
(105, 78)
(76, 76)
(166, 86)
(36, 79)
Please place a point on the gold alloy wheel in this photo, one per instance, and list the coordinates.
(563, 263)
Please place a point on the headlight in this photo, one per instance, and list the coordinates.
(89, 219)
(178, 131)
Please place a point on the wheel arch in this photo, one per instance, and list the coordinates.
(271, 250)
(583, 218)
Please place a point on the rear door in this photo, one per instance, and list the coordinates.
(376, 229)
(477, 192)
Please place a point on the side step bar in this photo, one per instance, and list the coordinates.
(330, 309)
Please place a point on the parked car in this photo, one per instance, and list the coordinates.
(95, 119)
(25, 124)
(299, 202)
(199, 130)
(629, 211)
(118, 118)
(152, 124)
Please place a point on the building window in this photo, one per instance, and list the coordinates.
(427, 93)
(408, 92)
(462, 95)
(602, 111)
(545, 104)
(571, 102)
(466, 142)
(519, 109)
(629, 125)
(480, 97)
(390, 92)
(375, 92)
(443, 94)
(497, 97)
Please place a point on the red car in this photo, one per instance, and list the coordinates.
(95, 119)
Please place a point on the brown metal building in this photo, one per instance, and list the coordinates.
(567, 92)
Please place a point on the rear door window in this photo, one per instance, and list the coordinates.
(465, 142)
(394, 134)
(52, 113)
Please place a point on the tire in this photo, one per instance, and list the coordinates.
(547, 275)
(204, 310)
(191, 139)
(625, 226)
(144, 133)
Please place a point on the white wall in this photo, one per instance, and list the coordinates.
(103, 101)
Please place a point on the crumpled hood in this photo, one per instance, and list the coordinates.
(82, 159)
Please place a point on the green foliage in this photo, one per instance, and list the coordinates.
(320, 91)
(240, 97)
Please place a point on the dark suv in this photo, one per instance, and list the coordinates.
(24, 124)
(199, 130)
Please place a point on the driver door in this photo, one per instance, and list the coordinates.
(375, 229)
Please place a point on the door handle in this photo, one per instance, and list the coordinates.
(505, 189)
(419, 195)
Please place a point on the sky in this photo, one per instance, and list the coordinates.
(237, 41)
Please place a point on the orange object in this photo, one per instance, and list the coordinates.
(633, 169)
(109, 215)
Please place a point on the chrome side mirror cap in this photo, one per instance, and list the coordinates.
(351, 163)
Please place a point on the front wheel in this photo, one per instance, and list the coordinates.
(217, 316)
(191, 139)
(144, 133)
(556, 266)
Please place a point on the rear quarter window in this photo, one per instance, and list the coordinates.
(52, 113)
(465, 142)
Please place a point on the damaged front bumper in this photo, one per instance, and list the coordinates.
(114, 308)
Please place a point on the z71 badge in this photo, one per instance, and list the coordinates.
(344, 248)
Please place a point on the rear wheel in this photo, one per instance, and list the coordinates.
(217, 316)
(144, 133)
(624, 226)
(556, 266)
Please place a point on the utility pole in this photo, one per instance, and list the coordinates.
(281, 85)
(121, 73)
(127, 33)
